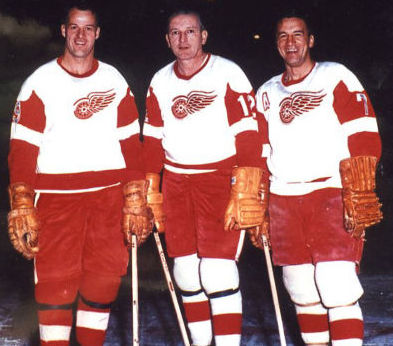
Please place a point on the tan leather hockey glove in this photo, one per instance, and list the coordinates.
(23, 224)
(137, 216)
(255, 233)
(361, 205)
(245, 209)
(155, 200)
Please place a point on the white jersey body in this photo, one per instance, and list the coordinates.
(200, 115)
(308, 138)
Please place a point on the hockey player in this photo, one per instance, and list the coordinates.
(324, 151)
(200, 126)
(74, 148)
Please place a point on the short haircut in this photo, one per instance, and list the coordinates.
(188, 13)
(82, 5)
(295, 13)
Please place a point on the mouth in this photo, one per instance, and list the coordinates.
(291, 51)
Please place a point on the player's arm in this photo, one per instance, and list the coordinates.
(26, 134)
(153, 157)
(137, 216)
(356, 114)
(245, 208)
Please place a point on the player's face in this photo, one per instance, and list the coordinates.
(80, 33)
(294, 42)
(185, 37)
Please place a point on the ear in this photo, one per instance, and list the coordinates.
(63, 30)
(98, 31)
(167, 41)
(204, 36)
(311, 41)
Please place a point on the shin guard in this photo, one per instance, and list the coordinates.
(220, 279)
(346, 325)
(313, 323)
(96, 295)
(55, 301)
(195, 302)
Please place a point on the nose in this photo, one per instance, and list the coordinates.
(80, 32)
(290, 39)
(183, 37)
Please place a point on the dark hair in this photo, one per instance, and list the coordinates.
(296, 13)
(82, 5)
(186, 12)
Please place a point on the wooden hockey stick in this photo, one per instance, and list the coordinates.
(274, 290)
(134, 285)
(171, 288)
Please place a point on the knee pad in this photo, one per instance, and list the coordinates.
(101, 289)
(300, 283)
(56, 293)
(219, 275)
(338, 283)
(186, 273)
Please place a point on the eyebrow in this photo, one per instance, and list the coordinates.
(294, 32)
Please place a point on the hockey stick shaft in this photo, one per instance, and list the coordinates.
(134, 285)
(274, 291)
(171, 288)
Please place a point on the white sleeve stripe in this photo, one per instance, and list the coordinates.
(128, 130)
(23, 133)
(245, 124)
(54, 333)
(92, 320)
(266, 149)
(152, 131)
(367, 124)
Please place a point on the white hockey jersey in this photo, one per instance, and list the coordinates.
(313, 124)
(73, 132)
(197, 118)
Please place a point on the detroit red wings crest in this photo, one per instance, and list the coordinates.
(93, 103)
(193, 102)
(298, 103)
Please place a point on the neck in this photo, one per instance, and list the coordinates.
(190, 66)
(298, 72)
(77, 65)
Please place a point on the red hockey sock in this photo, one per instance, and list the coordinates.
(313, 323)
(346, 325)
(96, 295)
(197, 311)
(55, 310)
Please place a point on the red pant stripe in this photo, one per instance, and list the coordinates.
(347, 329)
(310, 323)
(227, 324)
(197, 311)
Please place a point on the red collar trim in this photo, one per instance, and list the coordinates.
(86, 74)
(295, 81)
(179, 75)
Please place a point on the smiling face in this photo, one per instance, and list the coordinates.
(294, 42)
(80, 32)
(185, 37)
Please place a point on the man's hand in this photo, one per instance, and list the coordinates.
(361, 205)
(255, 234)
(137, 216)
(23, 224)
(245, 208)
(155, 200)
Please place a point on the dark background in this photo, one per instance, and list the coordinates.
(358, 34)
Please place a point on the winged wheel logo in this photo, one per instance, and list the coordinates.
(194, 101)
(299, 103)
(93, 103)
